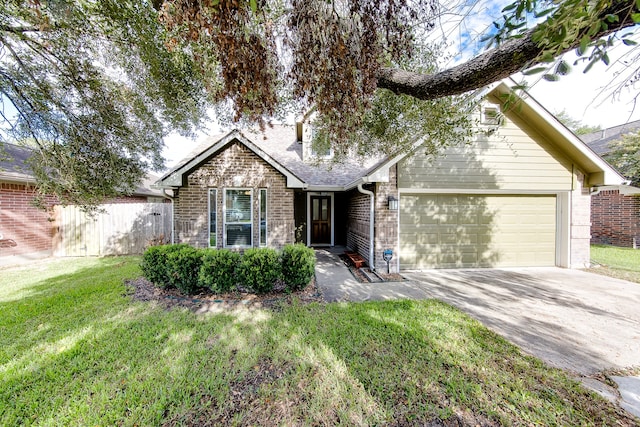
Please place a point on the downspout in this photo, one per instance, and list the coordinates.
(164, 193)
(371, 225)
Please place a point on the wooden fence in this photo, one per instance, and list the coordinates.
(121, 229)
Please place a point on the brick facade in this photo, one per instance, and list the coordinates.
(358, 223)
(615, 219)
(25, 229)
(233, 167)
(386, 223)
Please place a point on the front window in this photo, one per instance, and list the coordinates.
(238, 217)
(213, 221)
(263, 217)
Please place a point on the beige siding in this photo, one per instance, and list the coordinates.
(515, 158)
(454, 231)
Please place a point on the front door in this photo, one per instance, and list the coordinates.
(320, 220)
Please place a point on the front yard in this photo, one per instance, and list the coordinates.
(76, 350)
(621, 263)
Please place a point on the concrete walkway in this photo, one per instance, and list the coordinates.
(582, 322)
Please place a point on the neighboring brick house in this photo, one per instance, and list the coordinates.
(615, 212)
(517, 197)
(30, 232)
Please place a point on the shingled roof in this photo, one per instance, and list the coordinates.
(15, 168)
(599, 140)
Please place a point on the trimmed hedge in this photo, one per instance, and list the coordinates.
(218, 270)
(298, 266)
(154, 263)
(184, 266)
(258, 269)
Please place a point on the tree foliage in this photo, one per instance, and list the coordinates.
(92, 89)
(624, 155)
(97, 84)
(575, 125)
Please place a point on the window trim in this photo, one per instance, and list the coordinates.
(224, 218)
(215, 206)
(266, 217)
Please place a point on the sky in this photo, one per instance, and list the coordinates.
(585, 97)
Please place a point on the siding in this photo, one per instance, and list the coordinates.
(514, 158)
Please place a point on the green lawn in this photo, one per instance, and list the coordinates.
(75, 350)
(622, 263)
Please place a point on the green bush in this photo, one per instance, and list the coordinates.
(218, 270)
(183, 267)
(298, 266)
(259, 269)
(154, 263)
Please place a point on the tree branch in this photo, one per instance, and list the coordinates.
(18, 30)
(512, 56)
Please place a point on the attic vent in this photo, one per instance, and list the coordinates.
(490, 115)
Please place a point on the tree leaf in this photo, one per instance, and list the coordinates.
(536, 70)
(551, 77)
(629, 42)
(563, 68)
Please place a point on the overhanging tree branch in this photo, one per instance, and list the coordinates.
(514, 55)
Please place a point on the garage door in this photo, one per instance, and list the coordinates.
(458, 231)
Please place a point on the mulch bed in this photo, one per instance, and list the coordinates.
(142, 290)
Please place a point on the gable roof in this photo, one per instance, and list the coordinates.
(279, 147)
(600, 139)
(598, 171)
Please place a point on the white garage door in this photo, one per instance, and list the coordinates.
(461, 231)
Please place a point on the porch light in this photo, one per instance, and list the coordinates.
(393, 203)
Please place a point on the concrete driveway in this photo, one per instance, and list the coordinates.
(572, 319)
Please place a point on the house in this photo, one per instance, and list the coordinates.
(26, 231)
(615, 212)
(518, 197)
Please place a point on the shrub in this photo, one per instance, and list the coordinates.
(154, 263)
(183, 267)
(218, 270)
(298, 266)
(259, 268)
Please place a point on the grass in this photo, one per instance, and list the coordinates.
(76, 350)
(621, 263)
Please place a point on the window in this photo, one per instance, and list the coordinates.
(238, 218)
(213, 223)
(263, 217)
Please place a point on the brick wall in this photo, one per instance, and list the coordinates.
(615, 219)
(30, 228)
(386, 223)
(234, 167)
(358, 222)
